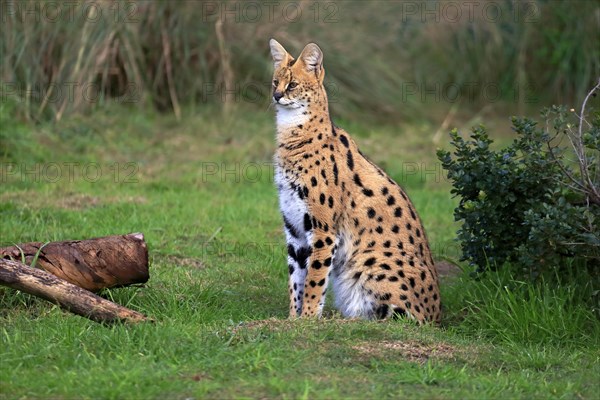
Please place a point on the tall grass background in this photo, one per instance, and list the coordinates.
(173, 55)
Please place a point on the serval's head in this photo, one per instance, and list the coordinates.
(297, 82)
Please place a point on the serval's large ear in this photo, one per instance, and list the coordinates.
(279, 54)
(312, 57)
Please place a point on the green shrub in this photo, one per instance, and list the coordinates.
(534, 203)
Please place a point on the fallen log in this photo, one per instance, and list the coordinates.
(93, 264)
(58, 291)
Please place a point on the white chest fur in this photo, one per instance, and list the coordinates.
(288, 117)
(292, 206)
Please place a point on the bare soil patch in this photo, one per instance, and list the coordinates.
(410, 350)
(185, 261)
(447, 270)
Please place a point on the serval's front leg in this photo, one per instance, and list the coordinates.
(299, 251)
(317, 277)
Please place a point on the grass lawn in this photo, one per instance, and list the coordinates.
(202, 193)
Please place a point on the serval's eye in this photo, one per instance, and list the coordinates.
(275, 82)
(292, 85)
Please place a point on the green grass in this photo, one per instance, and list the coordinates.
(217, 290)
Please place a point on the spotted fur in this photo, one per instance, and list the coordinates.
(348, 225)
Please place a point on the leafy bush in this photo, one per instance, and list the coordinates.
(536, 202)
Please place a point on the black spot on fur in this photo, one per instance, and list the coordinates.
(399, 312)
(292, 252)
(350, 160)
(307, 223)
(313, 181)
(335, 173)
(381, 311)
(322, 198)
(290, 228)
(371, 261)
(357, 180)
(371, 213)
(368, 192)
(302, 256)
(398, 212)
(344, 141)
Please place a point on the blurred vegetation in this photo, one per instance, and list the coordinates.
(382, 58)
